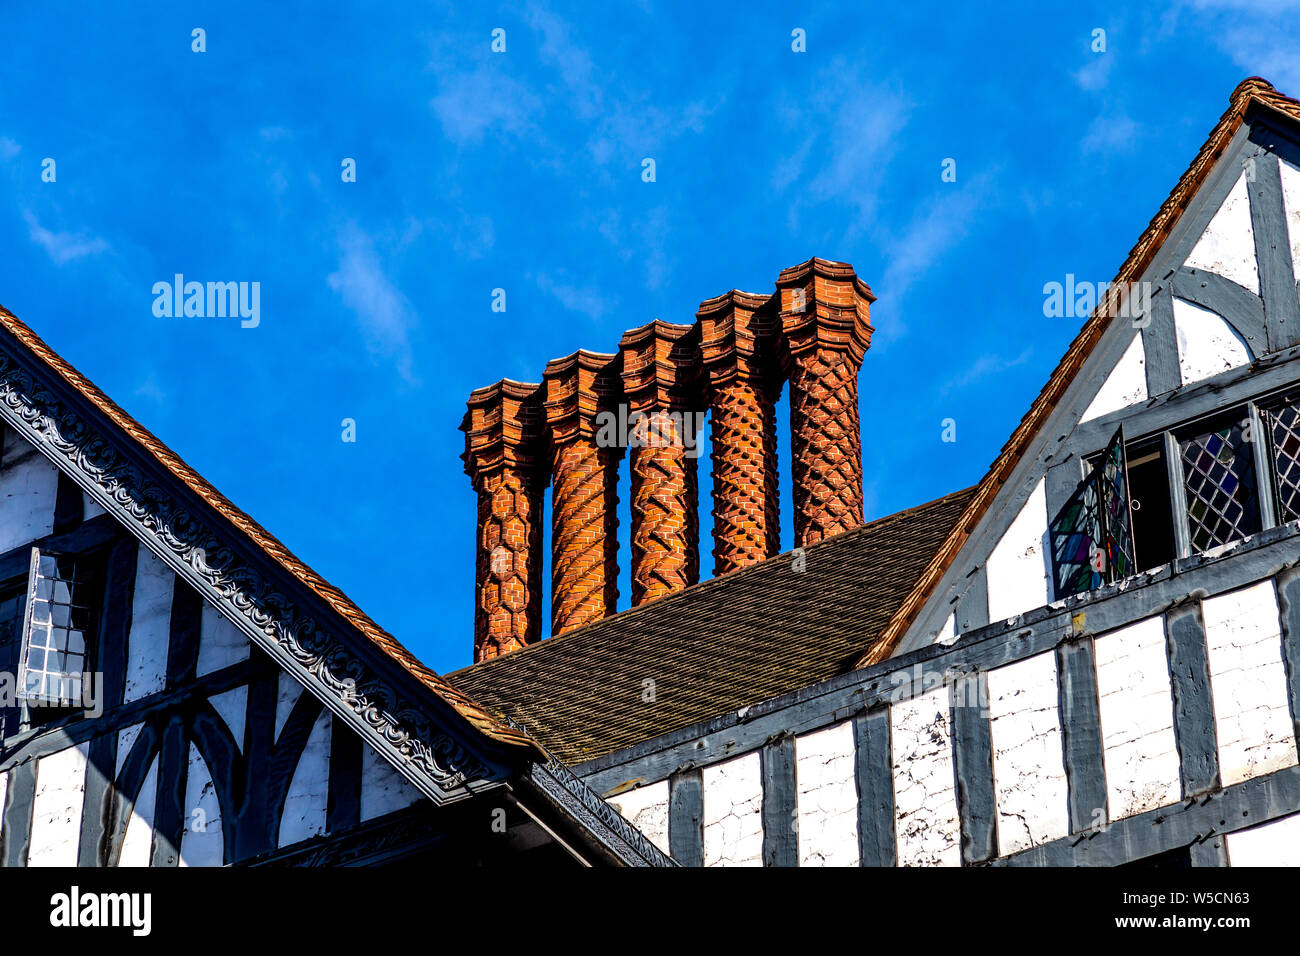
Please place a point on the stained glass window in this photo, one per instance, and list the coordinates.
(1219, 479)
(1092, 537)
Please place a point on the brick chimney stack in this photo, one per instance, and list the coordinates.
(584, 488)
(650, 397)
(826, 322)
(660, 367)
(503, 449)
(742, 381)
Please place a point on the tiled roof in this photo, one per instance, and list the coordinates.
(715, 647)
(242, 524)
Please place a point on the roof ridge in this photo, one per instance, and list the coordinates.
(480, 717)
(704, 587)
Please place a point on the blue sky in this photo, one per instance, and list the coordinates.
(522, 171)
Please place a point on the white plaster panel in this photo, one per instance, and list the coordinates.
(151, 614)
(233, 707)
(1272, 844)
(1248, 683)
(89, 507)
(56, 810)
(29, 486)
(308, 798)
(948, 633)
(289, 692)
(1227, 247)
(733, 812)
(1139, 748)
(1291, 202)
(125, 741)
(1125, 385)
(4, 788)
(827, 796)
(1028, 764)
(1207, 343)
(137, 844)
(1017, 568)
(220, 642)
(201, 841)
(646, 808)
(383, 789)
(926, 825)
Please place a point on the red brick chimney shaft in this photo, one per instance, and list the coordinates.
(503, 440)
(584, 482)
(825, 319)
(737, 343)
(660, 367)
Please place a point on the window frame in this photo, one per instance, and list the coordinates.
(37, 709)
(1256, 415)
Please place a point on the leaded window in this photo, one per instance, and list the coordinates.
(1219, 479)
(56, 630)
(1283, 424)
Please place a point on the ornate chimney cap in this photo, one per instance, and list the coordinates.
(577, 387)
(825, 305)
(737, 336)
(503, 427)
(660, 365)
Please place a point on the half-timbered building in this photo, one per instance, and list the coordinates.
(1090, 657)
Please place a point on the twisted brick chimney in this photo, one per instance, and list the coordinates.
(584, 482)
(737, 345)
(503, 445)
(660, 364)
(570, 432)
(825, 320)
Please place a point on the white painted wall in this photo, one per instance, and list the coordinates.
(306, 804)
(1207, 343)
(927, 828)
(151, 612)
(1125, 385)
(383, 789)
(1018, 567)
(827, 796)
(1140, 750)
(126, 739)
(1028, 764)
(232, 706)
(202, 843)
(220, 642)
(733, 812)
(1227, 247)
(1291, 202)
(137, 844)
(29, 485)
(1272, 844)
(289, 692)
(1248, 681)
(56, 811)
(4, 788)
(646, 808)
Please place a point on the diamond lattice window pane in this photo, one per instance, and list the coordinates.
(1284, 428)
(1219, 479)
